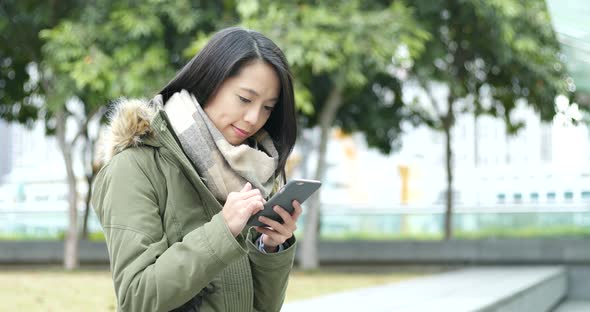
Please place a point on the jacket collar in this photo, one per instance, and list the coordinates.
(140, 122)
(129, 125)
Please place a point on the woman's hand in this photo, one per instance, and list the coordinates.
(239, 206)
(277, 233)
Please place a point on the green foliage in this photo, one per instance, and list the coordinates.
(94, 236)
(93, 51)
(106, 49)
(111, 50)
(373, 236)
(555, 232)
(526, 232)
(350, 45)
(20, 23)
(507, 47)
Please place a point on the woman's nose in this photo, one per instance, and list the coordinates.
(252, 116)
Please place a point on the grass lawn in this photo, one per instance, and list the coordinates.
(304, 285)
(51, 289)
(56, 290)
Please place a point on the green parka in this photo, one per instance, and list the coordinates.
(168, 244)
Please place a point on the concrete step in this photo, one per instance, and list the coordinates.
(482, 289)
(573, 306)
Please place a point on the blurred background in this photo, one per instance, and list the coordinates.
(427, 121)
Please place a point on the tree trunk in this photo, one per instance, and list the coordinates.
(89, 179)
(309, 250)
(306, 145)
(448, 122)
(475, 142)
(71, 239)
(476, 163)
(91, 168)
(90, 174)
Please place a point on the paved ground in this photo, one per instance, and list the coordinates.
(574, 306)
(457, 291)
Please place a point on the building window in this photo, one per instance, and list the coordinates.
(551, 197)
(569, 196)
(517, 198)
(535, 197)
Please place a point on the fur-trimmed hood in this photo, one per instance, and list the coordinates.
(129, 124)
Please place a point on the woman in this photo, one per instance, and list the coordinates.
(181, 180)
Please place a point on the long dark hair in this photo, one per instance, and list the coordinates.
(224, 55)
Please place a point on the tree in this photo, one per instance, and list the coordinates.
(501, 50)
(20, 23)
(20, 83)
(115, 49)
(340, 53)
(78, 56)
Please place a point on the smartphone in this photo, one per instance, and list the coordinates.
(296, 189)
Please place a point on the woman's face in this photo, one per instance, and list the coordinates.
(243, 103)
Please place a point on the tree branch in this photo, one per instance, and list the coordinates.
(84, 125)
(428, 92)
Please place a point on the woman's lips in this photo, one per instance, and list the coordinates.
(240, 132)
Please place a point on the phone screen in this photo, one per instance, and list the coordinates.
(296, 189)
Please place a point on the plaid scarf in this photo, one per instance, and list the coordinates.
(223, 167)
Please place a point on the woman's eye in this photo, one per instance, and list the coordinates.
(269, 108)
(243, 99)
